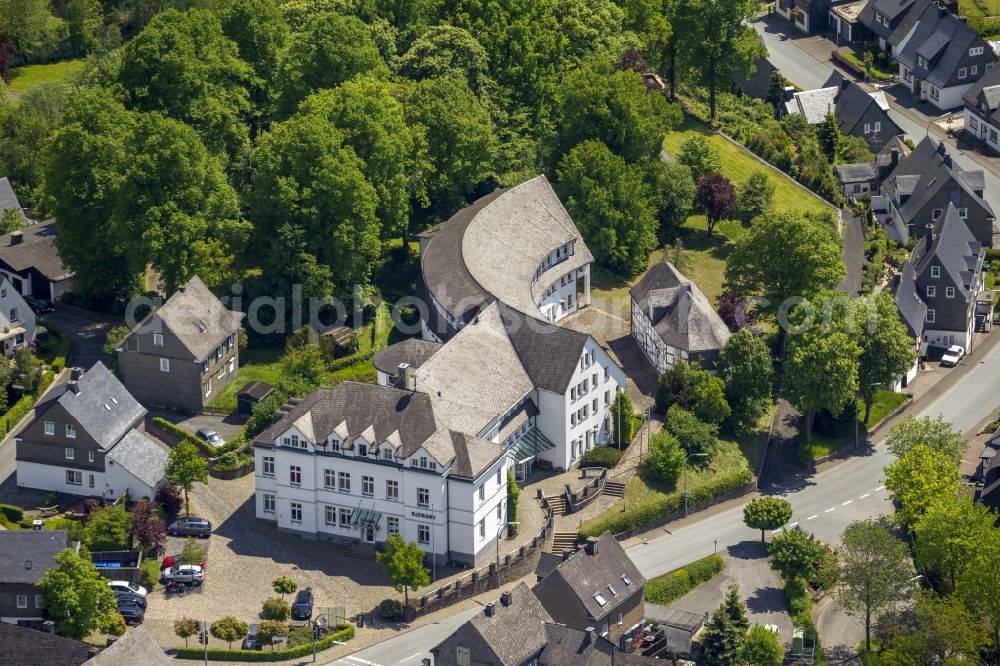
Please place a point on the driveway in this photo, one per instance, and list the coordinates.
(839, 632)
(227, 426)
(88, 331)
(853, 253)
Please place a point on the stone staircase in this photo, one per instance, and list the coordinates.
(614, 489)
(558, 504)
(564, 541)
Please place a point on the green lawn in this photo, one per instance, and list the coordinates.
(738, 163)
(884, 404)
(857, 59)
(29, 76)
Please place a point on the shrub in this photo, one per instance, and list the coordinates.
(693, 434)
(149, 573)
(601, 456)
(233, 461)
(675, 584)
(513, 497)
(12, 513)
(665, 460)
(390, 610)
(276, 609)
(183, 435)
(170, 499)
(25, 523)
(342, 633)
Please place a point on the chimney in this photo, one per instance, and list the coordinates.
(16, 238)
(894, 157)
(49, 627)
(75, 374)
(964, 19)
(843, 84)
(27, 564)
(591, 546)
(505, 599)
(788, 93)
(566, 554)
(402, 374)
(181, 288)
(488, 610)
(942, 10)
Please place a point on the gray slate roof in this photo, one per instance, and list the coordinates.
(39, 547)
(141, 456)
(8, 199)
(28, 647)
(889, 8)
(413, 351)
(198, 319)
(587, 575)
(813, 104)
(954, 247)
(491, 249)
(910, 17)
(549, 353)
(912, 309)
(987, 89)
(99, 403)
(37, 250)
(517, 631)
(566, 646)
(862, 172)
(943, 41)
(679, 310)
(135, 648)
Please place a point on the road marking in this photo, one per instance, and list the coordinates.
(880, 488)
(846, 503)
(360, 660)
(812, 516)
(775, 531)
(864, 496)
(412, 656)
(830, 509)
(795, 524)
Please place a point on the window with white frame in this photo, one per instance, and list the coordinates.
(962, 72)
(936, 214)
(70, 453)
(976, 50)
(164, 365)
(330, 515)
(973, 70)
(963, 213)
(157, 339)
(39, 601)
(931, 291)
(935, 271)
(268, 464)
(935, 94)
(74, 478)
(22, 601)
(868, 128)
(268, 503)
(482, 492)
(329, 478)
(949, 292)
(392, 490)
(386, 453)
(335, 444)
(392, 525)
(930, 316)
(50, 428)
(208, 387)
(993, 135)
(71, 431)
(222, 371)
(363, 450)
(90, 456)
(345, 518)
(232, 365)
(423, 497)
(295, 475)
(878, 126)
(344, 482)
(296, 508)
(482, 528)
(423, 534)
(368, 485)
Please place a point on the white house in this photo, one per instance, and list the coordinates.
(358, 462)
(86, 439)
(17, 320)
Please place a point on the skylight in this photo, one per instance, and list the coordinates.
(107, 407)
(114, 400)
(599, 598)
(625, 579)
(612, 590)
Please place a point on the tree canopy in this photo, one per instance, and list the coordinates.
(76, 596)
(745, 367)
(887, 348)
(767, 513)
(921, 476)
(404, 565)
(821, 373)
(936, 434)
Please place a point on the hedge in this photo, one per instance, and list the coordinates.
(13, 513)
(800, 606)
(183, 435)
(664, 505)
(344, 632)
(601, 456)
(675, 584)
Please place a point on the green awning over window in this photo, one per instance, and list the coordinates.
(365, 518)
(531, 445)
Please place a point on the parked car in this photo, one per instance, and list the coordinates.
(199, 527)
(125, 586)
(210, 436)
(39, 305)
(132, 614)
(951, 357)
(251, 642)
(127, 598)
(189, 574)
(302, 609)
(174, 560)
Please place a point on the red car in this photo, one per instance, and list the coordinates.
(175, 560)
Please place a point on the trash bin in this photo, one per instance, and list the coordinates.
(361, 620)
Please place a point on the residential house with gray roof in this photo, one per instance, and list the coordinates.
(672, 319)
(913, 314)
(87, 438)
(30, 259)
(860, 178)
(858, 112)
(808, 16)
(941, 280)
(136, 648)
(982, 110)
(882, 17)
(23, 646)
(184, 353)
(914, 197)
(942, 58)
(25, 555)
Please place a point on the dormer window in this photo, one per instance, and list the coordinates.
(295, 441)
(599, 598)
(386, 453)
(363, 450)
(335, 444)
(157, 339)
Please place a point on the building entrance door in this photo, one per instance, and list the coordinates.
(368, 533)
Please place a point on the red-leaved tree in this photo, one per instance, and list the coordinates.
(148, 529)
(717, 198)
(8, 50)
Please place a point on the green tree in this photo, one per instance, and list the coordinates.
(76, 596)
(185, 628)
(372, 122)
(84, 21)
(623, 420)
(979, 583)
(308, 178)
(716, 197)
(875, 568)
(756, 197)
(725, 632)
(229, 629)
(609, 201)
(109, 528)
(776, 93)
(303, 370)
(745, 367)
(665, 460)
(943, 630)
(596, 102)
(32, 26)
(698, 155)
(259, 30)
(854, 149)
(513, 499)
(184, 66)
(193, 552)
(868, 61)
(920, 476)
(275, 608)
(936, 434)
(184, 467)
(950, 529)
(447, 50)
(762, 647)
(404, 565)
(694, 388)
(886, 346)
(268, 630)
(828, 135)
(693, 434)
(460, 139)
(796, 553)
(784, 256)
(330, 49)
(649, 19)
(283, 585)
(821, 372)
(27, 370)
(767, 513)
(672, 190)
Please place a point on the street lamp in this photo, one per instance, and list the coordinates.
(499, 530)
(693, 455)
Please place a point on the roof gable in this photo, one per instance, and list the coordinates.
(549, 354)
(8, 200)
(597, 572)
(951, 246)
(196, 317)
(100, 404)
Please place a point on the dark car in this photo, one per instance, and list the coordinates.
(251, 642)
(132, 614)
(302, 609)
(199, 527)
(39, 305)
(210, 436)
(129, 599)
